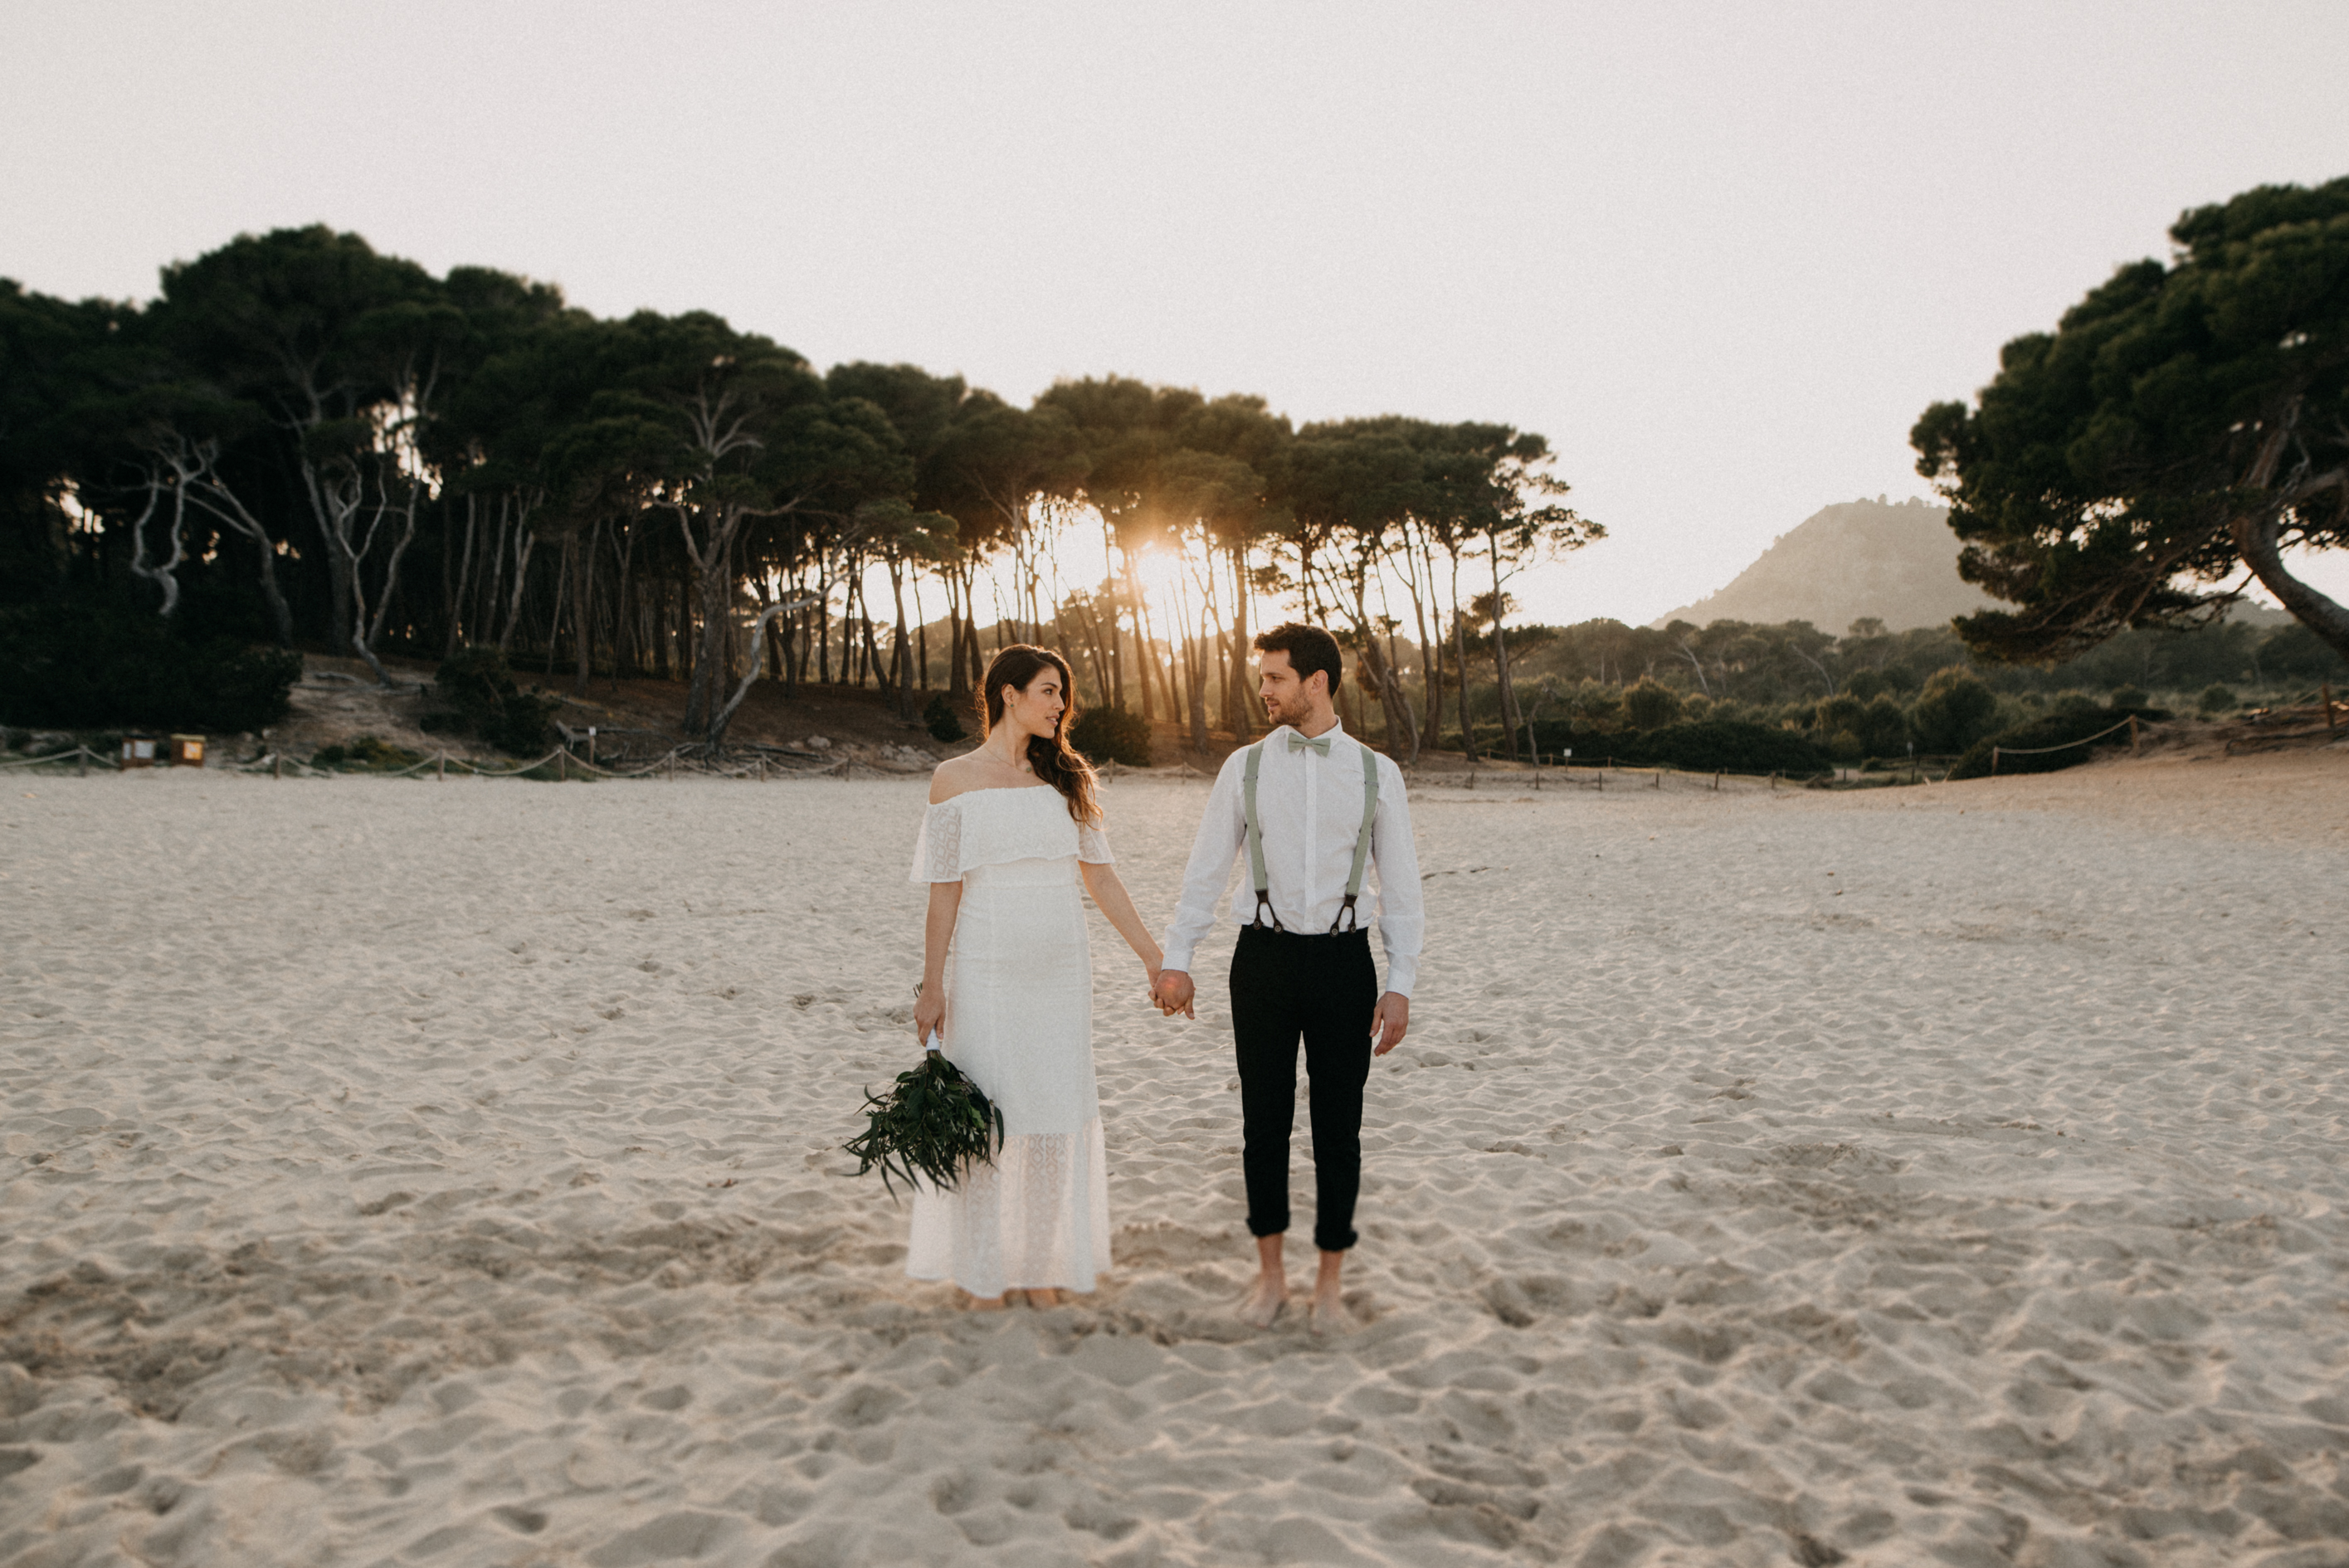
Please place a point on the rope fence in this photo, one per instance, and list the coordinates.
(1596, 776)
(1996, 752)
(278, 766)
(83, 753)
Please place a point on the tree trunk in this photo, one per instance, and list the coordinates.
(716, 734)
(459, 618)
(903, 655)
(628, 647)
(712, 561)
(2256, 536)
(1460, 662)
(921, 632)
(162, 576)
(970, 625)
(493, 580)
(1501, 656)
(1144, 658)
(871, 644)
(365, 630)
(525, 543)
(1194, 674)
(1394, 703)
(582, 605)
(957, 681)
(339, 584)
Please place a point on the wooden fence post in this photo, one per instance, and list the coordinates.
(1994, 761)
(562, 765)
(2330, 727)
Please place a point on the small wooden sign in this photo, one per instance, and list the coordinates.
(139, 751)
(187, 751)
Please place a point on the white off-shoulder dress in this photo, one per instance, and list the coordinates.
(1019, 1021)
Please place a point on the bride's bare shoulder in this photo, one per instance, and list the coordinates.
(955, 776)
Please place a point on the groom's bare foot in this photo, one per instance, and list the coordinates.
(981, 1303)
(1327, 1315)
(1261, 1307)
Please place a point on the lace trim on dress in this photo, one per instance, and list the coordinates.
(1038, 1218)
(937, 851)
(995, 826)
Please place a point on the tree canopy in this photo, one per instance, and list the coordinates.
(2185, 421)
(307, 440)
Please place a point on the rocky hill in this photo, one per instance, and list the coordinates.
(1895, 560)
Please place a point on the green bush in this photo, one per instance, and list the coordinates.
(2216, 700)
(1883, 728)
(1651, 705)
(484, 700)
(943, 722)
(77, 665)
(1730, 746)
(1110, 735)
(2124, 698)
(1596, 703)
(1954, 710)
(1866, 685)
(1841, 711)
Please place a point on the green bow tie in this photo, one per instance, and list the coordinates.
(1320, 743)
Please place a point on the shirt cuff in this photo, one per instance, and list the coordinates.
(1401, 973)
(1176, 955)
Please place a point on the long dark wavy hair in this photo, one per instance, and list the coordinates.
(1019, 666)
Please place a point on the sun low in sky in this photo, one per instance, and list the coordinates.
(1721, 257)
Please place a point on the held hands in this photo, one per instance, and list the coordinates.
(1389, 1022)
(1170, 990)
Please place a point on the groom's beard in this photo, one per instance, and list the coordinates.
(1291, 714)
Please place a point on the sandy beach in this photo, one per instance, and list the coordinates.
(448, 1173)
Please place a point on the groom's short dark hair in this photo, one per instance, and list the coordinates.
(1309, 648)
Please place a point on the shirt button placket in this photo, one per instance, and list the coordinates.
(1311, 845)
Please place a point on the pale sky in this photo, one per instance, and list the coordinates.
(1720, 255)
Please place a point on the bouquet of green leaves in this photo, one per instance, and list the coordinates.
(932, 1123)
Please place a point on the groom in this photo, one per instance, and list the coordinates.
(1314, 810)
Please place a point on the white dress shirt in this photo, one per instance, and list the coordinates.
(1309, 808)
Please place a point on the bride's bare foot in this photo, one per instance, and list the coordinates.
(1045, 1300)
(981, 1303)
(1261, 1307)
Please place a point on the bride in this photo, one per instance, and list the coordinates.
(1010, 829)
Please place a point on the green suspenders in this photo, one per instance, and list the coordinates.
(1257, 876)
(1263, 883)
(1362, 842)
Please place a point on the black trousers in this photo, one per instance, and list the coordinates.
(1323, 989)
